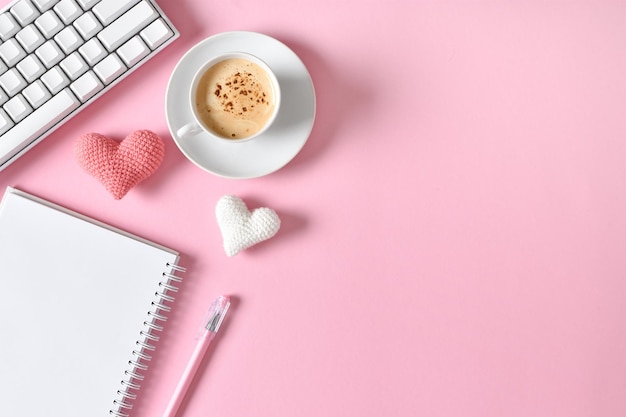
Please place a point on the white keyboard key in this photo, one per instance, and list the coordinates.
(12, 82)
(18, 108)
(8, 26)
(3, 97)
(68, 39)
(109, 10)
(44, 5)
(24, 12)
(30, 38)
(31, 68)
(86, 86)
(127, 25)
(11, 52)
(49, 24)
(133, 51)
(87, 4)
(68, 11)
(87, 25)
(156, 34)
(49, 53)
(36, 94)
(109, 68)
(55, 80)
(5, 122)
(3, 67)
(93, 51)
(42, 119)
(74, 66)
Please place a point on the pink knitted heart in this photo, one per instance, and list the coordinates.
(119, 166)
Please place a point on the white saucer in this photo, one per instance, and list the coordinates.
(274, 148)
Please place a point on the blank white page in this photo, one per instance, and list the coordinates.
(75, 295)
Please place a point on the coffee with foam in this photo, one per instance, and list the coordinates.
(235, 98)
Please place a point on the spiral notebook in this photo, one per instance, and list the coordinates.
(82, 307)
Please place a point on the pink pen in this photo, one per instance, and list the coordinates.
(211, 325)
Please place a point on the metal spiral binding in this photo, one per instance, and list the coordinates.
(133, 376)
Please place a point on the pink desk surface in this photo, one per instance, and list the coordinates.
(454, 231)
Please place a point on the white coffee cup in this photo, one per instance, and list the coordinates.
(234, 97)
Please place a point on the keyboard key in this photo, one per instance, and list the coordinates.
(87, 25)
(127, 25)
(3, 97)
(55, 80)
(49, 53)
(36, 94)
(109, 10)
(5, 122)
(12, 82)
(18, 108)
(87, 4)
(74, 66)
(44, 5)
(109, 68)
(30, 38)
(93, 51)
(11, 52)
(8, 26)
(86, 86)
(68, 39)
(68, 11)
(24, 12)
(156, 34)
(3, 68)
(31, 68)
(39, 121)
(133, 51)
(49, 24)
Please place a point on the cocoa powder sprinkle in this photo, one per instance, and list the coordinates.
(233, 90)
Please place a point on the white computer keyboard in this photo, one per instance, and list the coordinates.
(57, 56)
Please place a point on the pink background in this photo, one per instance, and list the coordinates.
(454, 231)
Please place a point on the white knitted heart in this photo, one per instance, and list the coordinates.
(242, 228)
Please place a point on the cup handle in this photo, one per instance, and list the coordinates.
(190, 129)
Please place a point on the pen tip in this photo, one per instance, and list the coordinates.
(217, 311)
